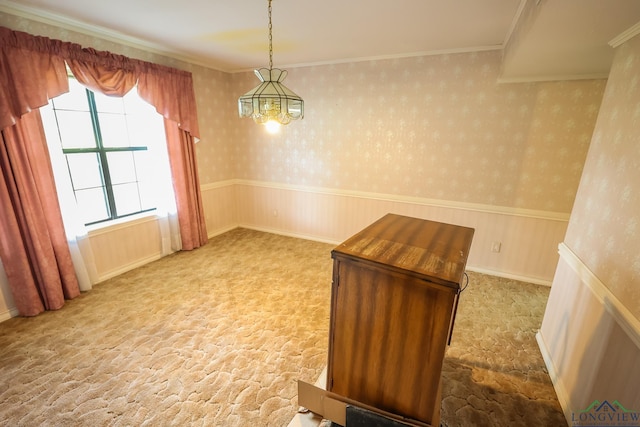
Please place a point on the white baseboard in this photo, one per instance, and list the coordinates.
(9, 313)
(288, 234)
(155, 257)
(128, 267)
(561, 391)
(506, 275)
(496, 273)
(220, 231)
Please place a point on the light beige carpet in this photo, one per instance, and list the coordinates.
(494, 374)
(218, 337)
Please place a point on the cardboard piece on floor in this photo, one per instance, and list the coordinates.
(333, 407)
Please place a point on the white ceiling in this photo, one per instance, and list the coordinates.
(567, 38)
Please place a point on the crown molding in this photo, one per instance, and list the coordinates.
(560, 77)
(626, 35)
(385, 57)
(514, 22)
(97, 31)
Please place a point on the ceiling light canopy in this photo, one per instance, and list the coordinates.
(271, 103)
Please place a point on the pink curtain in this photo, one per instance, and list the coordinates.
(42, 263)
(171, 92)
(34, 248)
(182, 158)
(30, 74)
(104, 72)
(33, 245)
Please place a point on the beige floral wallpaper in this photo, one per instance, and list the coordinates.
(604, 230)
(437, 127)
(434, 127)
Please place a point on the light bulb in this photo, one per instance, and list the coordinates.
(272, 126)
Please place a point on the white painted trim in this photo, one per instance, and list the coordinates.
(625, 36)
(477, 207)
(146, 260)
(121, 223)
(622, 315)
(546, 78)
(66, 23)
(129, 267)
(334, 242)
(218, 184)
(385, 57)
(506, 275)
(286, 233)
(8, 314)
(514, 22)
(220, 231)
(558, 385)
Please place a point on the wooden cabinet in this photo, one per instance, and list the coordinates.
(394, 294)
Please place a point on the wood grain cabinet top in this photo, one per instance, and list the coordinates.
(394, 293)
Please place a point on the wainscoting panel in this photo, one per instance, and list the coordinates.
(128, 245)
(528, 240)
(219, 202)
(589, 340)
(7, 306)
(125, 246)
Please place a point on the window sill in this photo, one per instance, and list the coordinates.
(116, 224)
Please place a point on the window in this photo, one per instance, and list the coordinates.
(110, 147)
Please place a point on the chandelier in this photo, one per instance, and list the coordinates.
(271, 103)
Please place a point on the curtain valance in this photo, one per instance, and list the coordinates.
(32, 70)
(25, 87)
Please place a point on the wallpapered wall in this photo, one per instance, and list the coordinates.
(590, 333)
(604, 230)
(437, 127)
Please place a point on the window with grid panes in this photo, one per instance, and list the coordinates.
(106, 142)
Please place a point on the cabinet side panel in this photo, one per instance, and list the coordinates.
(388, 340)
(332, 323)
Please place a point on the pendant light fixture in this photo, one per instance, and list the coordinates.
(271, 103)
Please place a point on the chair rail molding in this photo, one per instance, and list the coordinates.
(623, 316)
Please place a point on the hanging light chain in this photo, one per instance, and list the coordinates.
(271, 101)
(270, 39)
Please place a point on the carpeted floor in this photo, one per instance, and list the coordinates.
(493, 373)
(220, 335)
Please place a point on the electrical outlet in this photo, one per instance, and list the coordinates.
(496, 246)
